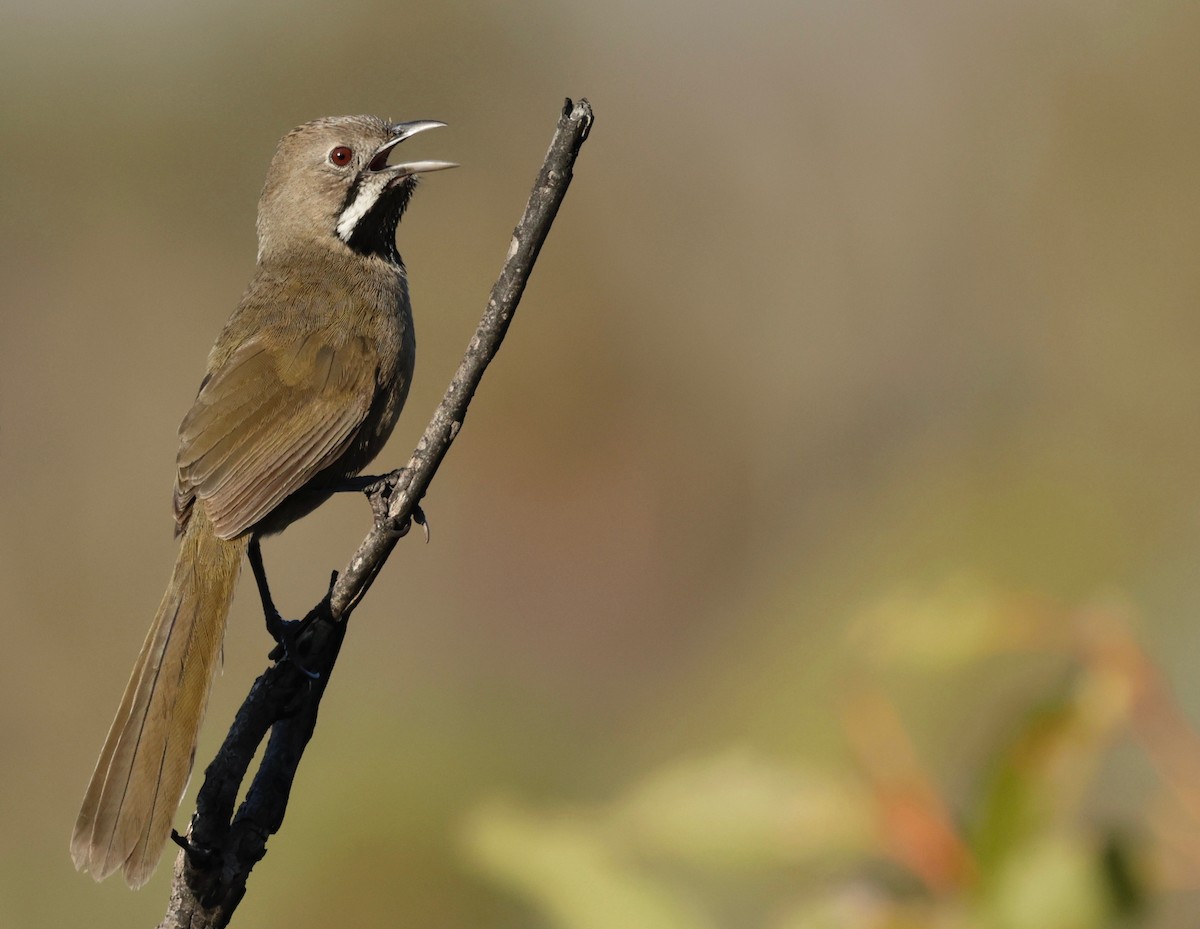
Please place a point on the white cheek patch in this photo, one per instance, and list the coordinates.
(369, 191)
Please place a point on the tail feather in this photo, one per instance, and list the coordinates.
(147, 758)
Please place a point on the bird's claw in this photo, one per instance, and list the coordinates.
(419, 517)
(194, 852)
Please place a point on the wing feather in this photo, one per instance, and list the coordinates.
(268, 421)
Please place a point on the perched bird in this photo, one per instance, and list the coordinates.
(303, 387)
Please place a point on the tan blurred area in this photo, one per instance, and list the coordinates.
(845, 434)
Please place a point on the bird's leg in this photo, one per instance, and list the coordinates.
(275, 622)
(360, 483)
(286, 634)
(366, 483)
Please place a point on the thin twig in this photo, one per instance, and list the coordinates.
(221, 847)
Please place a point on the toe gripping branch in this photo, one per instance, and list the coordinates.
(378, 490)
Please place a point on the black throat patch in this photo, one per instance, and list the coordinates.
(375, 231)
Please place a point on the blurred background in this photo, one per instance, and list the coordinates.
(823, 549)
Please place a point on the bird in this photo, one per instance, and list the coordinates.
(302, 389)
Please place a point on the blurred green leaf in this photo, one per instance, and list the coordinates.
(1053, 881)
(740, 811)
(569, 868)
(959, 621)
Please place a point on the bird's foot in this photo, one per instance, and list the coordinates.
(286, 633)
(379, 492)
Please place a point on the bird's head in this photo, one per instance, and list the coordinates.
(330, 182)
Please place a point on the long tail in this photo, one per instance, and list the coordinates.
(147, 757)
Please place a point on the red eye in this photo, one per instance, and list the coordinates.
(341, 156)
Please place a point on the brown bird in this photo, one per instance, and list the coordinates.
(303, 387)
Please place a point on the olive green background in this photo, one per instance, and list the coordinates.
(849, 304)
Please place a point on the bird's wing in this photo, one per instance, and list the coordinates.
(267, 421)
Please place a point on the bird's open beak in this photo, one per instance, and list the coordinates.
(401, 132)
